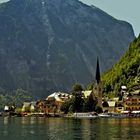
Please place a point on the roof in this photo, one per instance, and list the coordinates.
(26, 104)
(123, 87)
(111, 103)
(134, 96)
(33, 103)
(87, 93)
(59, 96)
(116, 99)
(6, 108)
(136, 92)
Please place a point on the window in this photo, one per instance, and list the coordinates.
(127, 108)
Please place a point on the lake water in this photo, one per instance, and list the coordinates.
(69, 129)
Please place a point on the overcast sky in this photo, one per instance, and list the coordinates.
(127, 10)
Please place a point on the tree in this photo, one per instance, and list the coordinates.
(90, 104)
(2, 102)
(90, 86)
(20, 96)
(98, 109)
(78, 101)
(77, 88)
(13, 98)
(67, 106)
(75, 104)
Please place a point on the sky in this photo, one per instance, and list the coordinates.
(127, 10)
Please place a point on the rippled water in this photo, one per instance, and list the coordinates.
(69, 129)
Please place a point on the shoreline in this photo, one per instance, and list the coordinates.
(74, 115)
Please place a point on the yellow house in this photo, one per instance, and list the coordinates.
(28, 107)
(119, 107)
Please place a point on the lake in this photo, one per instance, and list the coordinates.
(69, 129)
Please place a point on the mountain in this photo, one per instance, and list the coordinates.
(126, 72)
(48, 45)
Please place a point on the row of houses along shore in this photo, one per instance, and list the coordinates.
(51, 106)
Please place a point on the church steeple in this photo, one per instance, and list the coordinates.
(98, 78)
(98, 85)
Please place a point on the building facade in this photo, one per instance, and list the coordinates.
(132, 103)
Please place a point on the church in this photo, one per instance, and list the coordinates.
(98, 88)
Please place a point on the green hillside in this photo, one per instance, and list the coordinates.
(125, 72)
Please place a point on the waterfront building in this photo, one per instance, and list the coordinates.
(42, 106)
(109, 106)
(33, 107)
(57, 99)
(52, 103)
(6, 108)
(28, 107)
(119, 106)
(132, 102)
(59, 96)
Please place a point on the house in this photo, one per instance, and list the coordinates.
(109, 106)
(132, 102)
(6, 108)
(26, 107)
(33, 107)
(119, 106)
(42, 106)
(55, 100)
(59, 96)
(124, 88)
(29, 107)
(87, 93)
(52, 103)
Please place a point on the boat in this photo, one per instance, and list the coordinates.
(84, 115)
(104, 115)
(117, 115)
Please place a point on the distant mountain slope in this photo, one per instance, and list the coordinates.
(126, 71)
(48, 45)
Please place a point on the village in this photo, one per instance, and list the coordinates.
(60, 104)
(51, 106)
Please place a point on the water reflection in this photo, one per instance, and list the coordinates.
(69, 129)
(5, 120)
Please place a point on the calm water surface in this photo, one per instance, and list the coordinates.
(69, 129)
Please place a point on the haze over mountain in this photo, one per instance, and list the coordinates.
(48, 45)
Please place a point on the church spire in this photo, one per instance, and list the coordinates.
(97, 89)
(98, 77)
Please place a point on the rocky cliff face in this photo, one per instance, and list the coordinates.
(48, 45)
